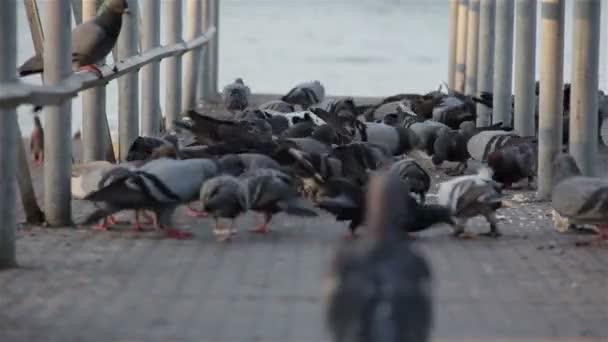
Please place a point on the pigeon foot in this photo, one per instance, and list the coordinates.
(261, 229)
(178, 234)
(102, 226)
(492, 234)
(465, 235)
(192, 212)
(92, 68)
(350, 235)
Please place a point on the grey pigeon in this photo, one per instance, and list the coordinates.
(428, 131)
(418, 178)
(236, 95)
(379, 289)
(483, 143)
(160, 186)
(451, 145)
(262, 190)
(579, 199)
(278, 106)
(305, 94)
(397, 140)
(515, 161)
(144, 148)
(91, 41)
(469, 196)
(319, 142)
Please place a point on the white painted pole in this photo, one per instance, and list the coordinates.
(503, 63)
(8, 136)
(485, 63)
(453, 42)
(58, 118)
(150, 77)
(214, 51)
(583, 143)
(472, 48)
(173, 91)
(525, 68)
(551, 111)
(192, 58)
(128, 87)
(93, 107)
(461, 49)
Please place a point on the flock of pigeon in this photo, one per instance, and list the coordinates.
(303, 154)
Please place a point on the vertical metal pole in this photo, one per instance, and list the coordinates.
(503, 63)
(583, 144)
(551, 91)
(453, 42)
(8, 136)
(191, 59)
(204, 75)
(485, 63)
(150, 105)
(461, 49)
(173, 10)
(128, 87)
(472, 48)
(525, 68)
(57, 118)
(214, 51)
(93, 107)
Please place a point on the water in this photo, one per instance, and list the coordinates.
(363, 47)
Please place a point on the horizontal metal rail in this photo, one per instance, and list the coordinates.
(12, 94)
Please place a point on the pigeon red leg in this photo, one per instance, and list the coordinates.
(137, 226)
(263, 228)
(92, 68)
(104, 225)
(173, 233)
(149, 219)
(350, 235)
(193, 212)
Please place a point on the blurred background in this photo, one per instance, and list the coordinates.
(354, 47)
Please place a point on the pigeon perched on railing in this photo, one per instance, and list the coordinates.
(379, 289)
(92, 40)
(577, 198)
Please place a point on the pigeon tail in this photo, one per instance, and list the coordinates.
(298, 207)
(340, 202)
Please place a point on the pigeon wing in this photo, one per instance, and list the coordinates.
(89, 43)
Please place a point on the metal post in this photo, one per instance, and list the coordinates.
(173, 10)
(551, 91)
(191, 59)
(503, 63)
(57, 118)
(214, 51)
(485, 63)
(583, 144)
(128, 87)
(93, 107)
(525, 68)
(8, 136)
(150, 105)
(461, 49)
(453, 42)
(472, 48)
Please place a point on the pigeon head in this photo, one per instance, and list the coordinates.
(223, 196)
(564, 166)
(117, 6)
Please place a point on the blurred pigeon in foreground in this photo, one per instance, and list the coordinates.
(236, 95)
(469, 196)
(379, 289)
(579, 199)
(262, 190)
(91, 41)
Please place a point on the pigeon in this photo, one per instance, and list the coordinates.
(236, 96)
(254, 161)
(301, 129)
(159, 186)
(577, 198)
(427, 131)
(94, 175)
(143, 148)
(417, 177)
(345, 199)
(343, 108)
(514, 162)
(379, 289)
(397, 140)
(483, 143)
(92, 40)
(305, 94)
(469, 196)
(319, 142)
(278, 106)
(262, 190)
(451, 145)
(37, 142)
(358, 158)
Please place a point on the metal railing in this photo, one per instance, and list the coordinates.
(484, 31)
(200, 67)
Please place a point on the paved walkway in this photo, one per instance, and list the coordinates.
(533, 284)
